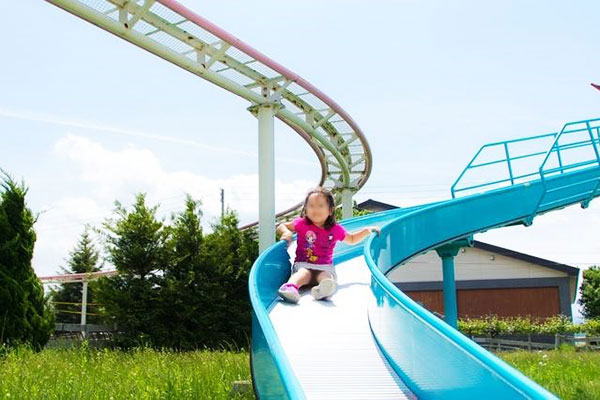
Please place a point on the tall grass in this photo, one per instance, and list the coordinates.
(143, 373)
(568, 373)
(84, 373)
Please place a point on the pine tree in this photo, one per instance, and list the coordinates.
(231, 254)
(177, 288)
(184, 299)
(136, 243)
(24, 313)
(136, 240)
(83, 258)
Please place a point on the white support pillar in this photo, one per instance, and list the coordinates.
(347, 204)
(84, 296)
(266, 176)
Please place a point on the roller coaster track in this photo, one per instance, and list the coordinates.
(182, 37)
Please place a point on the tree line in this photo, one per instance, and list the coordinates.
(177, 287)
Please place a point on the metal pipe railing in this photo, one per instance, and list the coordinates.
(554, 149)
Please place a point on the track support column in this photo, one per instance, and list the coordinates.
(84, 297)
(346, 204)
(266, 173)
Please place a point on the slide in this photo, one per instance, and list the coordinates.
(371, 341)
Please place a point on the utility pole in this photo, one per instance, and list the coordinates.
(222, 204)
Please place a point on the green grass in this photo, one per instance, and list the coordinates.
(83, 373)
(568, 373)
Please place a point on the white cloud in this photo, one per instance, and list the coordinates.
(35, 116)
(99, 176)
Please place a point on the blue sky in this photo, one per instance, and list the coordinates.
(87, 118)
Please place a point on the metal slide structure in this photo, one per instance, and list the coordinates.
(371, 341)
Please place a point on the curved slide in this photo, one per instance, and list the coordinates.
(371, 341)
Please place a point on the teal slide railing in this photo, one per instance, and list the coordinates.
(432, 358)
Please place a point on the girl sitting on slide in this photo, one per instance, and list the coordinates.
(318, 233)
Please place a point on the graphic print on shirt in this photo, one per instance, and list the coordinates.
(311, 238)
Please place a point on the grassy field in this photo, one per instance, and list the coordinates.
(568, 373)
(84, 373)
(107, 374)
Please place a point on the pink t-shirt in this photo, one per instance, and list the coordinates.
(315, 245)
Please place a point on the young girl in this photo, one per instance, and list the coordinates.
(317, 235)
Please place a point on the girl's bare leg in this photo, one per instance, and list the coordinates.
(301, 277)
(323, 291)
(322, 275)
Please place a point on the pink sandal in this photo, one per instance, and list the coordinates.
(289, 292)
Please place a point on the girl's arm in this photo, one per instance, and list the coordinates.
(356, 237)
(286, 230)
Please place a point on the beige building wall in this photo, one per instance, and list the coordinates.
(471, 264)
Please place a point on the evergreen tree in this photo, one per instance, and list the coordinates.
(136, 240)
(184, 298)
(177, 288)
(83, 258)
(136, 243)
(24, 313)
(590, 293)
(230, 256)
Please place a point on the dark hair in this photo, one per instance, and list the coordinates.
(330, 222)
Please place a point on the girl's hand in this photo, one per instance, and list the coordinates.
(375, 229)
(287, 236)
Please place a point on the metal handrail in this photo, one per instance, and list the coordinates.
(562, 168)
(555, 147)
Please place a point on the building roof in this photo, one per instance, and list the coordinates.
(374, 205)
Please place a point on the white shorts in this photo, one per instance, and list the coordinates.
(315, 267)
